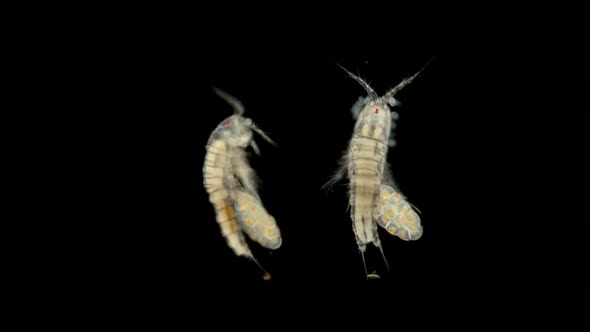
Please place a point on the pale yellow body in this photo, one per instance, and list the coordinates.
(213, 173)
(368, 149)
(372, 197)
(372, 200)
(231, 185)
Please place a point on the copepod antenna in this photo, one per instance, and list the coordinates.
(236, 104)
(364, 84)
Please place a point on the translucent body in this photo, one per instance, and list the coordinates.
(232, 186)
(366, 162)
(372, 199)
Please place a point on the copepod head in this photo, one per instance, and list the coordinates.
(375, 110)
(236, 131)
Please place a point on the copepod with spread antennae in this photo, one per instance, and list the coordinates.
(373, 196)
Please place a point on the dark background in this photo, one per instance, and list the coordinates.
(103, 184)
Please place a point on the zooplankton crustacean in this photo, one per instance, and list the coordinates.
(373, 196)
(232, 185)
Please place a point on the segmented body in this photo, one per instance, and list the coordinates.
(231, 185)
(216, 174)
(366, 155)
(373, 197)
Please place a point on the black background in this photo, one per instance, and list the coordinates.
(103, 183)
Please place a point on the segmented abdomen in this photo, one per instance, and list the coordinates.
(367, 153)
(213, 177)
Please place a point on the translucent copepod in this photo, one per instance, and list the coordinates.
(232, 184)
(374, 198)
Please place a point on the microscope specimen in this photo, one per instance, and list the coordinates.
(374, 198)
(232, 184)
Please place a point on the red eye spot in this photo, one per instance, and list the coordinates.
(227, 123)
(376, 111)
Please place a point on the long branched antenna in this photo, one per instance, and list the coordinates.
(261, 133)
(405, 82)
(364, 84)
(236, 104)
